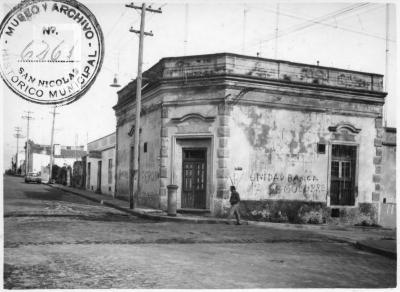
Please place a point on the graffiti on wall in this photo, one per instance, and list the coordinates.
(150, 176)
(309, 186)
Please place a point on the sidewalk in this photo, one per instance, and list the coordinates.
(373, 239)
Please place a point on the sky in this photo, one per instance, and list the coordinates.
(353, 40)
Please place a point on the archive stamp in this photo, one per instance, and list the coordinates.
(51, 51)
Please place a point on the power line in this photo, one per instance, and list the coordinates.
(319, 20)
(115, 24)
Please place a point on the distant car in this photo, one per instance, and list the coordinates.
(33, 177)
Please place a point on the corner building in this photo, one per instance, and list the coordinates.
(301, 143)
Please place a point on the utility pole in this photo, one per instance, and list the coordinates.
(52, 143)
(28, 117)
(276, 31)
(186, 29)
(133, 188)
(244, 30)
(17, 135)
(386, 65)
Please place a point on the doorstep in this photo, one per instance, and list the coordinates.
(194, 211)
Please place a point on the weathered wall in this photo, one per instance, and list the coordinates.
(276, 150)
(149, 162)
(149, 176)
(91, 183)
(107, 176)
(125, 142)
(278, 153)
(388, 183)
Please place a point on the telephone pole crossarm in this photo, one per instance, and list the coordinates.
(147, 8)
(138, 32)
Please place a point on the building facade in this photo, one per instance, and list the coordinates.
(39, 155)
(301, 143)
(100, 165)
(387, 186)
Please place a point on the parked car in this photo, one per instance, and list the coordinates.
(33, 177)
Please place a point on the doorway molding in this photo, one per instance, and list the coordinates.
(175, 139)
(347, 135)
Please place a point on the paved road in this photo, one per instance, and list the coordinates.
(58, 240)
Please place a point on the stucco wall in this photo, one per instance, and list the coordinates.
(388, 183)
(277, 151)
(125, 142)
(107, 186)
(149, 176)
(91, 183)
(150, 124)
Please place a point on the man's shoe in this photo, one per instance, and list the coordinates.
(238, 223)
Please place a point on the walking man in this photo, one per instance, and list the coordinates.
(235, 203)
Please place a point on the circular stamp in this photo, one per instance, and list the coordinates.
(51, 51)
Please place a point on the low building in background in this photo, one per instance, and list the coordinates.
(64, 156)
(100, 165)
(301, 143)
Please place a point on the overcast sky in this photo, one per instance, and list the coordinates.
(353, 40)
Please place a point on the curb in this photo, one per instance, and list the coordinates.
(383, 252)
(145, 215)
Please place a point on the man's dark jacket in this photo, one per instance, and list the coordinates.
(235, 198)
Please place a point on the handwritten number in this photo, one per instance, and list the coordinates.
(29, 51)
(70, 52)
(27, 54)
(44, 52)
(56, 52)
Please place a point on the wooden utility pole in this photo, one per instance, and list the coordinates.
(17, 135)
(186, 29)
(28, 117)
(244, 30)
(386, 88)
(52, 143)
(133, 188)
(276, 31)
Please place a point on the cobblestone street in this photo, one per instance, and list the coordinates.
(58, 240)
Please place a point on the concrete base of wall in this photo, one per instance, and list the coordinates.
(284, 211)
(366, 214)
(306, 212)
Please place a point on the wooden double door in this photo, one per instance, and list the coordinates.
(194, 178)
